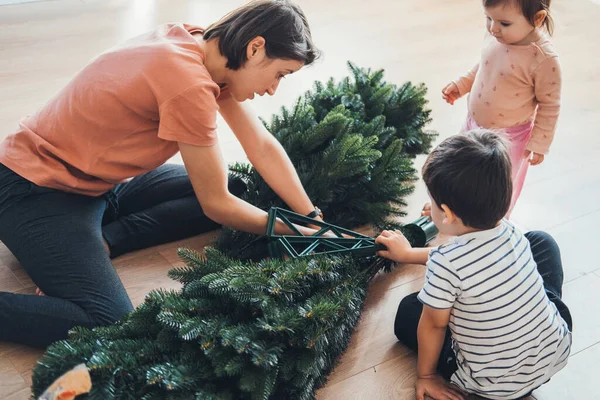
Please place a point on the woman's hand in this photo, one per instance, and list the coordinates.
(316, 227)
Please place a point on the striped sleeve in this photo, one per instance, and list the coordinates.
(442, 283)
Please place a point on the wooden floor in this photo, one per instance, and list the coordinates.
(42, 44)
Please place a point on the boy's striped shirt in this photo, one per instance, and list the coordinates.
(509, 338)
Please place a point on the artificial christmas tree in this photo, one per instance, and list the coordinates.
(248, 326)
(355, 164)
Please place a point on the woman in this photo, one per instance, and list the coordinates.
(66, 204)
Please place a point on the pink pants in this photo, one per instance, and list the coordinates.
(518, 136)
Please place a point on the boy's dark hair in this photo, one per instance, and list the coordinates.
(471, 174)
(282, 24)
(529, 8)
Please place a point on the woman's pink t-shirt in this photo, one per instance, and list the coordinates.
(121, 116)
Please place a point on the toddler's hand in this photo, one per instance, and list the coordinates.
(536, 159)
(450, 93)
(398, 247)
(426, 211)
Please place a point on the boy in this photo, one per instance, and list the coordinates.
(489, 317)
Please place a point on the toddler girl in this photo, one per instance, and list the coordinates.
(515, 88)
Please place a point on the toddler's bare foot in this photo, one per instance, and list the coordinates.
(426, 211)
(39, 292)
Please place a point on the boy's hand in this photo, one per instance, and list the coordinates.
(536, 159)
(398, 247)
(450, 93)
(437, 388)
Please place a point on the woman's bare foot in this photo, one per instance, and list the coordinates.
(426, 211)
(40, 293)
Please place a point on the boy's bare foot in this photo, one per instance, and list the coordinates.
(40, 293)
(426, 211)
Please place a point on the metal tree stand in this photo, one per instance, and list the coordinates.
(338, 241)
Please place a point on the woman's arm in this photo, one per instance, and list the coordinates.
(208, 173)
(266, 155)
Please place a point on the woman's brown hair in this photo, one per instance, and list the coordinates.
(281, 23)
